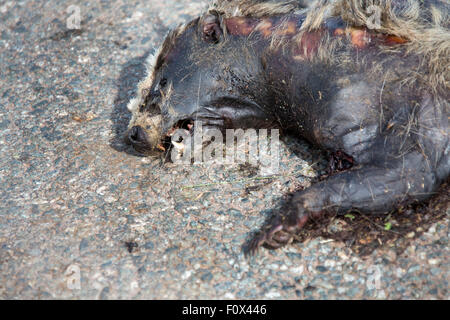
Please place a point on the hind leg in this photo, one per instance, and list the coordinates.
(368, 188)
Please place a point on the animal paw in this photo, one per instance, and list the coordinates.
(280, 232)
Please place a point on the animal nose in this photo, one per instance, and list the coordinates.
(136, 135)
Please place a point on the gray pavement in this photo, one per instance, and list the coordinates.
(73, 197)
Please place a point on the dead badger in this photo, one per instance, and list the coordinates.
(366, 80)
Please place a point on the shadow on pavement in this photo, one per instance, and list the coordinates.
(132, 72)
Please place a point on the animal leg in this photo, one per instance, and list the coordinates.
(367, 188)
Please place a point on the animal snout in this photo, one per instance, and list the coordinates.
(137, 136)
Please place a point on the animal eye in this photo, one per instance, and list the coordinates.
(162, 83)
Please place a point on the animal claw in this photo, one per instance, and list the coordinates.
(254, 244)
(270, 239)
(277, 234)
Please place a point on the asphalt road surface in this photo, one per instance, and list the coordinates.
(83, 216)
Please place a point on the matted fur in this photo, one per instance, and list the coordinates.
(424, 24)
(397, 136)
(257, 8)
(152, 63)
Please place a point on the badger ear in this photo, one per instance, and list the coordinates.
(210, 27)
